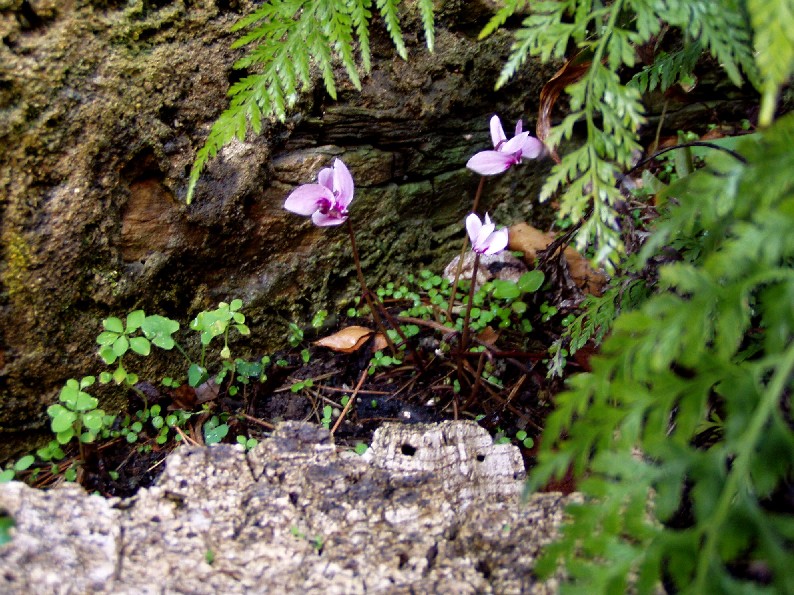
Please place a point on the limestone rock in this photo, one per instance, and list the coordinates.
(430, 508)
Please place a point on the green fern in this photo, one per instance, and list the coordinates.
(774, 43)
(287, 39)
(612, 111)
(694, 348)
(668, 69)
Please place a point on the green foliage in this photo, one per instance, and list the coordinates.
(215, 429)
(79, 415)
(611, 111)
(773, 27)
(716, 343)
(286, 41)
(119, 337)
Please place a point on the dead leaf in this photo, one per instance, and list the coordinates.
(184, 397)
(571, 72)
(347, 340)
(530, 241)
(488, 336)
(380, 343)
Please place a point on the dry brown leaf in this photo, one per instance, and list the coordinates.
(530, 241)
(571, 72)
(379, 343)
(488, 336)
(348, 340)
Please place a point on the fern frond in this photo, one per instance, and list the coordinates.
(720, 26)
(285, 38)
(426, 12)
(388, 11)
(668, 69)
(773, 25)
(360, 15)
(510, 8)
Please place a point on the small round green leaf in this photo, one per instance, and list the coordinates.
(121, 345)
(140, 345)
(531, 281)
(158, 329)
(135, 320)
(107, 355)
(24, 463)
(113, 324)
(93, 420)
(505, 290)
(84, 402)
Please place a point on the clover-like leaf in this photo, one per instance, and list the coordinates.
(107, 354)
(66, 436)
(107, 337)
(135, 320)
(93, 420)
(121, 345)
(113, 324)
(158, 329)
(62, 418)
(84, 402)
(141, 345)
(196, 375)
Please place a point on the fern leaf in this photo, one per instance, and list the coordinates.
(388, 10)
(360, 16)
(426, 11)
(510, 8)
(773, 25)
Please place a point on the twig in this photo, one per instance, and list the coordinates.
(185, 437)
(255, 420)
(349, 401)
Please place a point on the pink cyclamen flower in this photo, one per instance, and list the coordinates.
(328, 200)
(484, 237)
(506, 153)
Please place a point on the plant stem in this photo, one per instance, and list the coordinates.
(463, 251)
(464, 342)
(365, 290)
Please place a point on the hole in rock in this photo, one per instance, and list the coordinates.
(408, 450)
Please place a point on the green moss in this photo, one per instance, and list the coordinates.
(17, 261)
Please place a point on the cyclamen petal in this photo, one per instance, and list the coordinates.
(307, 199)
(497, 241)
(497, 132)
(473, 226)
(506, 153)
(326, 178)
(489, 163)
(328, 200)
(343, 184)
(515, 144)
(321, 219)
(532, 148)
(484, 240)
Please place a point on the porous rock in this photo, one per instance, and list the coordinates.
(430, 508)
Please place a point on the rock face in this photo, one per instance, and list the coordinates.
(103, 104)
(429, 508)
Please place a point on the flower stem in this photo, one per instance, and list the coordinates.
(369, 296)
(464, 342)
(463, 251)
(364, 289)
